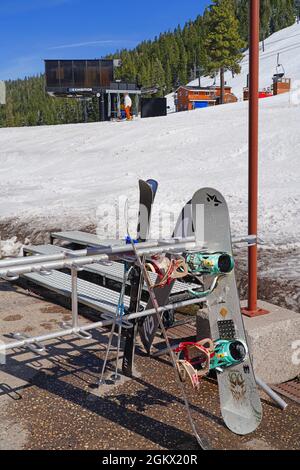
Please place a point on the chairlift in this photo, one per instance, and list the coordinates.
(280, 70)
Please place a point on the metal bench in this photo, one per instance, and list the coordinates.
(83, 238)
(89, 294)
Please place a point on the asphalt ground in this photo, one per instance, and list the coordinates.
(52, 401)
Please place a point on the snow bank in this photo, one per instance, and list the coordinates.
(60, 175)
(65, 176)
(11, 247)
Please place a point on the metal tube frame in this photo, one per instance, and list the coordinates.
(34, 342)
(75, 261)
(25, 265)
(92, 326)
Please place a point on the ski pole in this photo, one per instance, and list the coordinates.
(200, 440)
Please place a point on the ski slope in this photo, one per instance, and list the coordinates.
(65, 177)
(285, 42)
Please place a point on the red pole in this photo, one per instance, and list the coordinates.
(252, 309)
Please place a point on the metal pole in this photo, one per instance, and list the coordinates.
(222, 83)
(102, 106)
(68, 263)
(274, 396)
(67, 259)
(252, 309)
(74, 298)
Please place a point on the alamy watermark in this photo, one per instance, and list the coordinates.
(116, 219)
(295, 93)
(2, 92)
(2, 354)
(296, 353)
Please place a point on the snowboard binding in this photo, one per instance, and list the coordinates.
(193, 360)
(196, 360)
(167, 268)
(228, 353)
(208, 264)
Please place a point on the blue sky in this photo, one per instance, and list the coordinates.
(33, 30)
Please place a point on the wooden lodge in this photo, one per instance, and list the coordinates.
(193, 97)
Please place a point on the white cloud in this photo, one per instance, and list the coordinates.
(89, 43)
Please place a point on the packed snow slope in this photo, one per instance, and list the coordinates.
(286, 43)
(58, 176)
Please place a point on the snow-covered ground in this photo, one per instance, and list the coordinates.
(58, 176)
(62, 176)
(286, 43)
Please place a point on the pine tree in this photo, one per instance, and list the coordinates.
(158, 77)
(223, 43)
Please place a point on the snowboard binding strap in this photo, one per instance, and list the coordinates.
(194, 360)
(228, 353)
(167, 269)
(211, 264)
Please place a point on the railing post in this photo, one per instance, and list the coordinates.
(74, 298)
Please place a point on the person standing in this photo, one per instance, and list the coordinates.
(128, 106)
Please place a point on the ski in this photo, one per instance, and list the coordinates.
(202, 442)
(239, 398)
(148, 191)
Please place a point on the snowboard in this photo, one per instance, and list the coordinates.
(239, 398)
(148, 191)
(148, 326)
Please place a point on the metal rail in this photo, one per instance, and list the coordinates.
(16, 267)
(111, 270)
(36, 263)
(92, 326)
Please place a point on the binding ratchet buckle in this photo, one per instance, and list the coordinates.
(196, 360)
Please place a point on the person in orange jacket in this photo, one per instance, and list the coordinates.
(128, 105)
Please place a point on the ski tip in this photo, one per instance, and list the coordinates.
(153, 184)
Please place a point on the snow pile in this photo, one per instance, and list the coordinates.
(11, 247)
